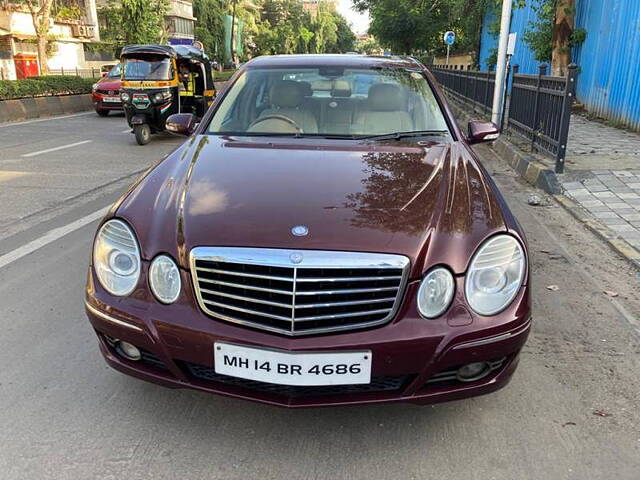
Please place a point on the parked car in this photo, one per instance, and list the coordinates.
(106, 92)
(308, 249)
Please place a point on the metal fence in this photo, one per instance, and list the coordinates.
(473, 86)
(78, 72)
(539, 106)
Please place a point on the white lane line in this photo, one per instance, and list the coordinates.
(48, 119)
(50, 237)
(128, 130)
(55, 149)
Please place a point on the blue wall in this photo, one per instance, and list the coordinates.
(519, 22)
(609, 59)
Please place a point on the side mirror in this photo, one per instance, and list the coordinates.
(181, 123)
(482, 132)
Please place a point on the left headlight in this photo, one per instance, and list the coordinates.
(164, 279)
(125, 97)
(495, 275)
(116, 258)
(161, 96)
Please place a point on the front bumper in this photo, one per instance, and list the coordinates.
(100, 104)
(412, 357)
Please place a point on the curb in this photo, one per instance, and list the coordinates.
(611, 238)
(29, 108)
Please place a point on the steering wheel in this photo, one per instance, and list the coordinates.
(275, 116)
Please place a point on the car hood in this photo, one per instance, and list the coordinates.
(431, 202)
(110, 84)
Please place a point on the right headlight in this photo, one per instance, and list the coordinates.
(495, 275)
(435, 292)
(116, 258)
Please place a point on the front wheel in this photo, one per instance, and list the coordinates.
(142, 133)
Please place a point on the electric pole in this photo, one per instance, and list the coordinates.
(501, 65)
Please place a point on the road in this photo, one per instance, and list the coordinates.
(571, 411)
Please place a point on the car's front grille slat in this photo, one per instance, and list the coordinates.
(298, 292)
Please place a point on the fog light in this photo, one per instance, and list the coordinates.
(473, 371)
(128, 351)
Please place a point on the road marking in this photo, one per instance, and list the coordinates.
(55, 149)
(128, 130)
(48, 119)
(50, 237)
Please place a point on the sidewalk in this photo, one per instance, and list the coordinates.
(603, 175)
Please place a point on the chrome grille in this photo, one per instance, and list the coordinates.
(299, 292)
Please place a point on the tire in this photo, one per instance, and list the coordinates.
(102, 113)
(142, 133)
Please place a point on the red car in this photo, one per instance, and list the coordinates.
(315, 243)
(106, 93)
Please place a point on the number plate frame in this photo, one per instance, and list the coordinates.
(294, 369)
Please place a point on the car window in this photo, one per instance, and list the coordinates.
(151, 67)
(336, 101)
(114, 72)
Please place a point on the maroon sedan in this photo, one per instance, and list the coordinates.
(326, 236)
(106, 93)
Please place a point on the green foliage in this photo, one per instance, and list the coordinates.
(128, 22)
(285, 27)
(209, 28)
(46, 85)
(417, 26)
(539, 33)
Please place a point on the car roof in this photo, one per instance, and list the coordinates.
(332, 60)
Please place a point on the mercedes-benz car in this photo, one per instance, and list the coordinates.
(325, 235)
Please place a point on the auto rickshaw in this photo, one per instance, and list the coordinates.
(160, 80)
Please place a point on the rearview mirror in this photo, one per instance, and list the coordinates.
(181, 123)
(482, 132)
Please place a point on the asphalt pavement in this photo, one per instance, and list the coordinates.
(571, 411)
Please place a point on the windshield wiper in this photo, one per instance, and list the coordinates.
(400, 135)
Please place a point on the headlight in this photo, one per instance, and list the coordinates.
(435, 293)
(116, 258)
(161, 96)
(164, 279)
(94, 87)
(495, 275)
(124, 96)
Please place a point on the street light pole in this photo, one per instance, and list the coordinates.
(501, 65)
(233, 25)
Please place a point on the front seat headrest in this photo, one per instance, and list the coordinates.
(286, 94)
(386, 97)
(341, 89)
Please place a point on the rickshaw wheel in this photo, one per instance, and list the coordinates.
(142, 133)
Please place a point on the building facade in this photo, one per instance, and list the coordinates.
(73, 24)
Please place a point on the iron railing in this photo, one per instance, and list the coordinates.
(78, 72)
(471, 85)
(539, 106)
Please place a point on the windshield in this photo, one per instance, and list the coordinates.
(114, 72)
(151, 67)
(333, 101)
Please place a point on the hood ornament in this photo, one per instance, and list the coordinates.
(300, 230)
(296, 258)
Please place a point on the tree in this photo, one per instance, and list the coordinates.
(40, 11)
(346, 39)
(129, 22)
(561, 39)
(325, 30)
(209, 27)
(551, 35)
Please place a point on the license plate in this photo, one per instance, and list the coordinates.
(111, 99)
(298, 369)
